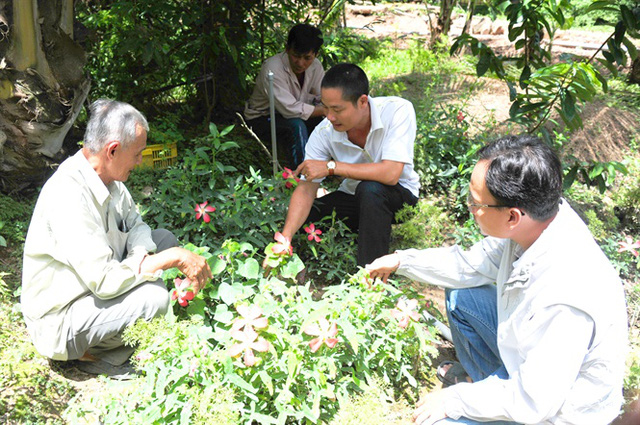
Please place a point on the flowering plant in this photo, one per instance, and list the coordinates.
(290, 179)
(287, 355)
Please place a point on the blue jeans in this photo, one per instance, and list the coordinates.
(293, 133)
(473, 318)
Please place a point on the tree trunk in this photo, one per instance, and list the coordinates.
(444, 21)
(634, 75)
(467, 23)
(42, 88)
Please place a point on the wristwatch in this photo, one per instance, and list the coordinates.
(331, 166)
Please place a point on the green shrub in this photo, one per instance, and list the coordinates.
(281, 373)
(424, 225)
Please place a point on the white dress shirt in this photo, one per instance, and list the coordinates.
(391, 137)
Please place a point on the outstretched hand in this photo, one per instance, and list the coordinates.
(383, 266)
(195, 267)
(430, 409)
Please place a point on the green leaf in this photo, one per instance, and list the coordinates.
(249, 269)
(570, 177)
(229, 294)
(629, 18)
(631, 48)
(619, 32)
(241, 383)
(217, 265)
(600, 5)
(483, 64)
(350, 332)
(524, 77)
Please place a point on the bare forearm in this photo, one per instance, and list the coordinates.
(299, 207)
(385, 172)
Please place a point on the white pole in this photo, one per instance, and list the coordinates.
(272, 115)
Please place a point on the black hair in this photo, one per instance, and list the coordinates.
(350, 78)
(524, 173)
(304, 38)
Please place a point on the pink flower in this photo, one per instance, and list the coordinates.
(183, 291)
(405, 311)
(314, 234)
(283, 246)
(202, 210)
(248, 341)
(250, 318)
(325, 332)
(288, 175)
(143, 356)
(629, 246)
(193, 367)
(460, 116)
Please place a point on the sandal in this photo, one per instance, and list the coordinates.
(454, 375)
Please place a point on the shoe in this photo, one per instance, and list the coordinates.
(454, 375)
(122, 372)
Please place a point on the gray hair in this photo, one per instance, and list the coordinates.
(111, 120)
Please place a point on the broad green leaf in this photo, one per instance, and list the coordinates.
(631, 48)
(241, 383)
(629, 18)
(349, 331)
(483, 64)
(217, 265)
(601, 5)
(249, 269)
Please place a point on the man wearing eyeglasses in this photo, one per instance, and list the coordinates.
(536, 310)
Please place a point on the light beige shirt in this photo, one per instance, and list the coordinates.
(291, 100)
(76, 245)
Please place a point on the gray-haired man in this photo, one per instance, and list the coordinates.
(91, 265)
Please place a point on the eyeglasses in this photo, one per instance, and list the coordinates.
(473, 206)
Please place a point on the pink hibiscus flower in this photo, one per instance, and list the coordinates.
(250, 318)
(629, 246)
(460, 116)
(283, 247)
(288, 175)
(405, 311)
(182, 292)
(313, 233)
(202, 210)
(325, 332)
(247, 342)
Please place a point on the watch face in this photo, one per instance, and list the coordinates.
(331, 164)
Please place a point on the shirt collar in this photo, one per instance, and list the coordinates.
(100, 192)
(285, 62)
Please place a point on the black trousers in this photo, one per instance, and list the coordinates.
(370, 212)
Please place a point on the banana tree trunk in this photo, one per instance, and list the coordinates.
(42, 88)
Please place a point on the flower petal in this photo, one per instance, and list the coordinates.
(206, 218)
(261, 345)
(331, 342)
(236, 349)
(315, 344)
(312, 329)
(249, 357)
(334, 330)
(260, 323)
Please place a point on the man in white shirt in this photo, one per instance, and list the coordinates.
(368, 141)
(91, 265)
(297, 74)
(541, 326)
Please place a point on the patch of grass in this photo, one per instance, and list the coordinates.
(375, 404)
(30, 393)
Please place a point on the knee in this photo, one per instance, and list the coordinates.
(154, 299)
(369, 190)
(164, 239)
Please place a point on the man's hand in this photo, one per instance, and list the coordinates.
(430, 409)
(312, 169)
(195, 267)
(383, 266)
